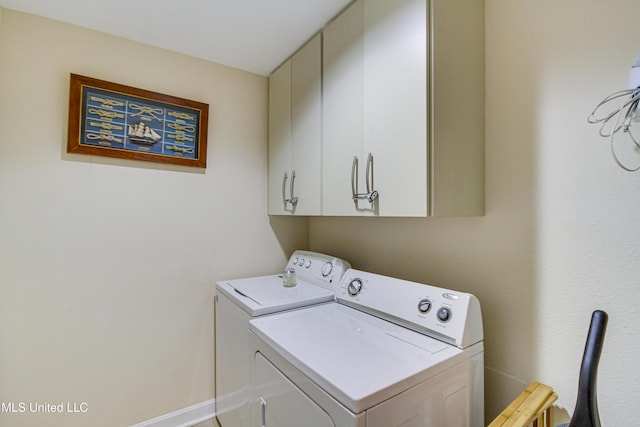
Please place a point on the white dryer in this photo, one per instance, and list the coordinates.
(387, 353)
(238, 301)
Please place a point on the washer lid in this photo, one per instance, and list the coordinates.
(359, 359)
(265, 294)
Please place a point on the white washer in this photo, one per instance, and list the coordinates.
(238, 301)
(387, 353)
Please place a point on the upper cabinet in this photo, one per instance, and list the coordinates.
(375, 110)
(295, 133)
(402, 110)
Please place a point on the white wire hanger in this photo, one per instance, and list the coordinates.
(620, 121)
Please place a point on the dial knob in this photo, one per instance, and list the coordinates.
(444, 314)
(327, 268)
(355, 286)
(308, 264)
(301, 262)
(424, 305)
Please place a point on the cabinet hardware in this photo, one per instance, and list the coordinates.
(371, 195)
(293, 199)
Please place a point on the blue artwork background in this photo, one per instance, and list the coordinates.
(108, 118)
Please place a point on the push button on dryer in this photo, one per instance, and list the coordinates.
(444, 314)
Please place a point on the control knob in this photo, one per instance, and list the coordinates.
(354, 287)
(444, 314)
(424, 306)
(327, 268)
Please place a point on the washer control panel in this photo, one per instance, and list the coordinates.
(444, 314)
(318, 269)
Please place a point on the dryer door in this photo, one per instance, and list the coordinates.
(279, 403)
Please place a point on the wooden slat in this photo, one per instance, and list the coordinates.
(528, 406)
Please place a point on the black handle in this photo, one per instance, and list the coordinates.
(586, 411)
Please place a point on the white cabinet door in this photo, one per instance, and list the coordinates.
(375, 105)
(342, 108)
(279, 403)
(306, 126)
(295, 133)
(279, 136)
(395, 103)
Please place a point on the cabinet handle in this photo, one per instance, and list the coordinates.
(294, 199)
(354, 176)
(284, 184)
(263, 413)
(371, 194)
(369, 174)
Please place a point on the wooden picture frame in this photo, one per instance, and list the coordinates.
(113, 120)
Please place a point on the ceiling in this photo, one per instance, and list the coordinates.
(253, 35)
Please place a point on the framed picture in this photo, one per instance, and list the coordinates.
(109, 119)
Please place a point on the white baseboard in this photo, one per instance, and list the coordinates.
(185, 417)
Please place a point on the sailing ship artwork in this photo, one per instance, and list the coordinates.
(141, 133)
(124, 122)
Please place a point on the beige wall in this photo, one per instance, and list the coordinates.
(561, 235)
(107, 267)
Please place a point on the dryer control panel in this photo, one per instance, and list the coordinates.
(318, 269)
(450, 316)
